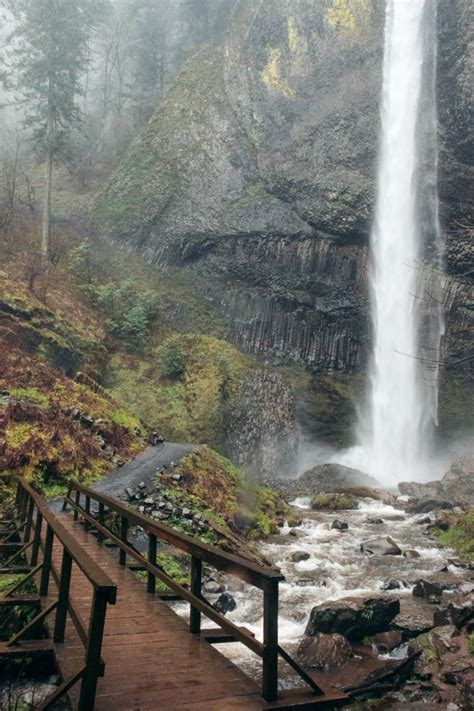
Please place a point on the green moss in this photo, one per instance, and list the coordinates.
(125, 419)
(8, 581)
(333, 502)
(460, 535)
(189, 408)
(430, 654)
(30, 393)
(212, 485)
(471, 643)
(172, 567)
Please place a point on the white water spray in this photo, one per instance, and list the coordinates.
(402, 406)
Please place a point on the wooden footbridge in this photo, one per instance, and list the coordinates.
(117, 642)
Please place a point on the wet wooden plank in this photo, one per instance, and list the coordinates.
(151, 659)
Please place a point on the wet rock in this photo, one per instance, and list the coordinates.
(442, 521)
(420, 506)
(411, 553)
(339, 525)
(375, 521)
(213, 587)
(414, 618)
(386, 641)
(457, 485)
(327, 477)
(355, 618)
(423, 588)
(130, 493)
(424, 520)
(334, 502)
(381, 546)
(392, 584)
(260, 429)
(225, 603)
(298, 556)
(293, 533)
(456, 613)
(142, 485)
(323, 651)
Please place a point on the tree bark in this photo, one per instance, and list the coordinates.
(47, 197)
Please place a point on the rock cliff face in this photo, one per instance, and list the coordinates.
(257, 172)
(260, 426)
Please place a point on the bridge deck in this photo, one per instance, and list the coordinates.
(151, 659)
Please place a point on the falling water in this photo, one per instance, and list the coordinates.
(402, 405)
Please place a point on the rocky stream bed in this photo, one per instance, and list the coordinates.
(362, 620)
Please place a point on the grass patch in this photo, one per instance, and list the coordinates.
(460, 535)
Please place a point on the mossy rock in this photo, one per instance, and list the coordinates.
(333, 502)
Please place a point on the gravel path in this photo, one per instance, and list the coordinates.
(142, 468)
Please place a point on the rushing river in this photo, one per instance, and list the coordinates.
(336, 568)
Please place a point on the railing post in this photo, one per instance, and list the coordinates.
(77, 500)
(29, 519)
(22, 501)
(196, 579)
(93, 664)
(100, 535)
(88, 511)
(63, 597)
(18, 495)
(36, 539)
(151, 582)
(123, 536)
(45, 570)
(270, 641)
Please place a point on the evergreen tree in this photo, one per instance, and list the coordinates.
(149, 54)
(50, 53)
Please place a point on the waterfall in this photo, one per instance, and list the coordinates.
(394, 432)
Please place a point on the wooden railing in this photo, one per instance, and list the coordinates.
(79, 498)
(23, 534)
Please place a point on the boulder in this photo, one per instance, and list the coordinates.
(392, 584)
(353, 617)
(339, 525)
(333, 502)
(381, 546)
(423, 588)
(456, 613)
(225, 603)
(327, 477)
(298, 556)
(323, 651)
(411, 553)
(375, 521)
(424, 505)
(414, 618)
(457, 485)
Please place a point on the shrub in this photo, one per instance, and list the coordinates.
(172, 359)
(129, 311)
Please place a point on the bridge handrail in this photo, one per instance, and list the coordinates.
(96, 576)
(266, 579)
(239, 566)
(32, 512)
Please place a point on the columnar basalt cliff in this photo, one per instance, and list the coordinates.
(257, 173)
